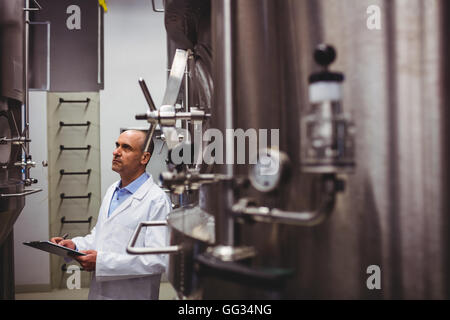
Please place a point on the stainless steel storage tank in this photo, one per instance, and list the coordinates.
(394, 211)
(11, 99)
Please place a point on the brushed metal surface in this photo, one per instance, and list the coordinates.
(11, 47)
(394, 210)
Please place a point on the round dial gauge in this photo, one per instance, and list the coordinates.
(266, 175)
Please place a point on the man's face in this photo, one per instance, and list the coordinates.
(128, 157)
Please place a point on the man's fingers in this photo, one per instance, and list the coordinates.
(85, 265)
(67, 243)
(64, 243)
(80, 259)
(56, 240)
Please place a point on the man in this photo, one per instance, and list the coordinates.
(135, 198)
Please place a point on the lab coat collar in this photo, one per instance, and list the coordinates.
(134, 185)
(138, 195)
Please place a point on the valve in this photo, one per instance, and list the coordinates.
(25, 165)
(167, 116)
(327, 140)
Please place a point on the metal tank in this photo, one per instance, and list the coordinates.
(14, 137)
(393, 212)
(319, 232)
(11, 98)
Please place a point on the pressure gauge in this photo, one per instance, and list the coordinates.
(270, 170)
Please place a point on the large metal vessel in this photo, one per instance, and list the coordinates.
(15, 158)
(11, 99)
(391, 213)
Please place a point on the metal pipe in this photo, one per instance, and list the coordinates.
(20, 194)
(187, 108)
(26, 86)
(306, 218)
(228, 81)
(147, 95)
(155, 9)
(330, 186)
(131, 249)
(170, 179)
(223, 30)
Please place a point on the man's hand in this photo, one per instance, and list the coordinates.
(88, 261)
(65, 243)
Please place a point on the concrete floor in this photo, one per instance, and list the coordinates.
(166, 292)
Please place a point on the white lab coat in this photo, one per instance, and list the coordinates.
(119, 275)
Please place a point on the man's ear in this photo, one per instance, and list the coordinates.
(145, 158)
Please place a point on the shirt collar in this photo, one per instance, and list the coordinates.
(135, 185)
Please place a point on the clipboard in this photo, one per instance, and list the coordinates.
(54, 248)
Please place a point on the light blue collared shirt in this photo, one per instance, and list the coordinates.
(121, 194)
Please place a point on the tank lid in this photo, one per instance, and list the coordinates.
(325, 55)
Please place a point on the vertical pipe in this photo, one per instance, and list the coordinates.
(186, 94)
(229, 125)
(99, 44)
(186, 83)
(26, 87)
(222, 32)
(228, 84)
(396, 281)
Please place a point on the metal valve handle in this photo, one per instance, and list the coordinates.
(154, 116)
(131, 249)
(152, 107)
